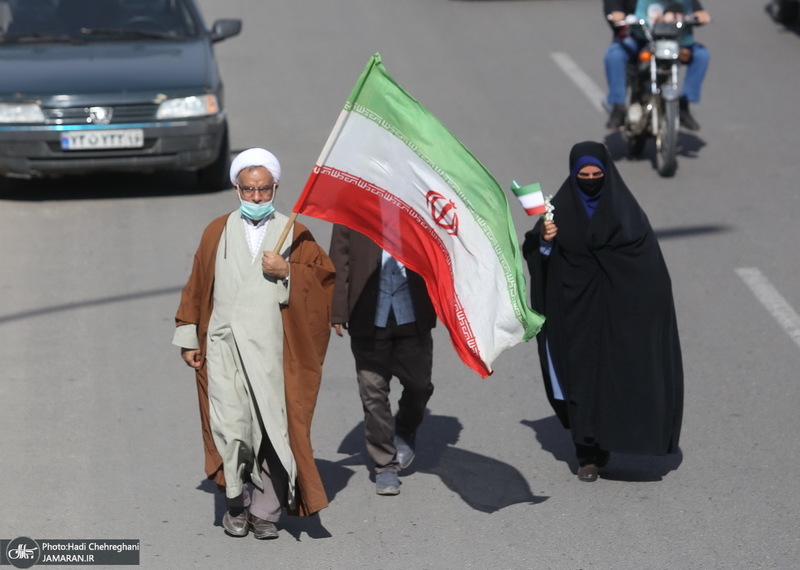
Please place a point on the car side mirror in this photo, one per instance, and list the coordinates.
(223, 29)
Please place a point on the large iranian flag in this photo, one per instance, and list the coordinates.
(393, 172)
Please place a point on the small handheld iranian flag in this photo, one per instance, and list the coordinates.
(393, 172)
(530, 197)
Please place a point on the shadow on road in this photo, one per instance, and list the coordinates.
(77, 305)
(484, 483)
(687, 231)
(99, 186)
(622, 467)
(295, 526)
(772, 11)
(219, 499)
(689, 146)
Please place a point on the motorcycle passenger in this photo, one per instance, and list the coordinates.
(625, 48)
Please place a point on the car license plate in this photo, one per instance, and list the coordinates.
(91, 140)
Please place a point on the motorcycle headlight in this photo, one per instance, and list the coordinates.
(21, 113)
(186, 107)
(667, 49)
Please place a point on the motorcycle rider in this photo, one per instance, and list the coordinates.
(625, 48)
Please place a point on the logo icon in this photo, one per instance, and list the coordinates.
(443, 212)
(99, 115)
(23, 552)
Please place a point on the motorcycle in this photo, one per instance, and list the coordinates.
(653, 85)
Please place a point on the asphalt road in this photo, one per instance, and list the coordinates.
(99, 414)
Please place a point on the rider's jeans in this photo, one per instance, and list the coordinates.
(617, 56)
(623, 50)
(695, 73)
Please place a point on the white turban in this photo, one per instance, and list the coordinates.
(255, 157)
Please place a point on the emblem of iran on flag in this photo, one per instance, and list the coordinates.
(393, 172)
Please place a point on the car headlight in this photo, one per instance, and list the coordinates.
(185, 107)
(21, 113)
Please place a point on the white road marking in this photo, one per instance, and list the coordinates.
(579, 77)
(774, 302)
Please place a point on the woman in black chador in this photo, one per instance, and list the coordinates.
(609, 350)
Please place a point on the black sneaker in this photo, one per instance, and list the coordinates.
(616, 118)
(687, 121)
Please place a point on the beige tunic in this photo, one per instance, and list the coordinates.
(245, 357)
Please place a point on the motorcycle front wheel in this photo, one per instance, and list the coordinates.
(667, 139)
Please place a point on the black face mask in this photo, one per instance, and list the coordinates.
(591, 186)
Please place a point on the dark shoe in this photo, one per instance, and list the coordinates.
(262, 529)
(387, 483)
(234, 521)
(405, 450)
(616, 118)
(587, 472)
(687, 121)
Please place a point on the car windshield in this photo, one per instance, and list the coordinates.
(77, 21)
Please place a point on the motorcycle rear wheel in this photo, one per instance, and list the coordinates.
(667, 139)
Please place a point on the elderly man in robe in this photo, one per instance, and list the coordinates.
(254, 325)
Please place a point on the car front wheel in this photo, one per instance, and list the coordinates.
(215, 176)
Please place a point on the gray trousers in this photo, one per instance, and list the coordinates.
(263, 504)
(396, 350)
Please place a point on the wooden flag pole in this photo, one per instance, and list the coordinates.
(285, 233)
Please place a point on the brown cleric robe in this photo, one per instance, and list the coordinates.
(306, 331)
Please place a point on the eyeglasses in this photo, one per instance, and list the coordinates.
(250, 191)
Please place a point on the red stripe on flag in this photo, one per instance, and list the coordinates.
(536, 210)
(342, 198)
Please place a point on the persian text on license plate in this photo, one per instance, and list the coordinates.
(90, 140)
